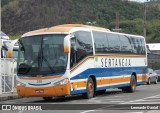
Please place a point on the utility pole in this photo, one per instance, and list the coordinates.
(0, 69)
(117, 29)
(144, 18)
(117, 20)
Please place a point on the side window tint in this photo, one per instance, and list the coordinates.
(73, 52)
(100, 42)
(143, 48)
(83, 45)
(114, 43)
(138, 45)
(125, 44)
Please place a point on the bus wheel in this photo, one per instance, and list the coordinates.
(47, 98)
(90, 89)
(133, 84)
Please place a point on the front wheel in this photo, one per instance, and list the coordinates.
(90, 89)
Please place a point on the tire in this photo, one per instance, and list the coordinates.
(89, 89)
(149, 81)
(156, 81)
(47, 98)
(133, 84)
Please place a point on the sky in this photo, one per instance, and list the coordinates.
(139, 0)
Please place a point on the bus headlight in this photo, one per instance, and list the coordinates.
(21, 84)
(62, 82)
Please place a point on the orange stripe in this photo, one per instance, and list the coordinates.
(105, 81)
(143, 78)
(63, 28)
(41, 78)
(78, 84)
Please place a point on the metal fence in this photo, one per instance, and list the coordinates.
(8, 72)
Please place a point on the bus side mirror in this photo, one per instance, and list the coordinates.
(10, 49)
(9, 52)
(67, 44)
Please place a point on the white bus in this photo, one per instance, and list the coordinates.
(79, 59)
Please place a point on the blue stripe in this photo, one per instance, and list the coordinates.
(109, 72)
(141, 83)
(78, 91)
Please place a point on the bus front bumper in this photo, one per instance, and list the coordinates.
(52, 91)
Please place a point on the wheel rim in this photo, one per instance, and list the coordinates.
(90, 88)
(149, 81)
(133, 84)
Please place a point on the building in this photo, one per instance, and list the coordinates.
(153, 51)
(154, 47)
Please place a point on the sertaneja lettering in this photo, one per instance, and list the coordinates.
(115, 62)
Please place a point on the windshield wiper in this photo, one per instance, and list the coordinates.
(41, 58)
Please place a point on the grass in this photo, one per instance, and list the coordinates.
(15, 36)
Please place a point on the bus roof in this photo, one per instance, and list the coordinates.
(65, 28)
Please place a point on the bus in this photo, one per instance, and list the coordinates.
(74, 59)
(5, 44)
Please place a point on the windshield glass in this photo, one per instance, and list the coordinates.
(15, 53)
(41, 55)
(157, 71)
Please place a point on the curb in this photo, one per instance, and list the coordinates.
(9, 97)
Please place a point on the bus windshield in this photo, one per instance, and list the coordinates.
(41, 55)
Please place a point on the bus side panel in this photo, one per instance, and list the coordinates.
(106, 78)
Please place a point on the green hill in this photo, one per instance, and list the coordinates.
(20, 16)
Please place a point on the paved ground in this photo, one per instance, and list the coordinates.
(145, 95)
(9, 96)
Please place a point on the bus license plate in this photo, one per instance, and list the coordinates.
(40, 91)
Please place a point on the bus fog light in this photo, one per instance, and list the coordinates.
(62, 82)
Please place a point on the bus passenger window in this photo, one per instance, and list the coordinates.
(100, 42)
(114, 43)
(137, 46)
(143, 46)
(125, 44)
(73, 52)
(84, 45)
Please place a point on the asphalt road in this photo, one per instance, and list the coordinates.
(113, 101)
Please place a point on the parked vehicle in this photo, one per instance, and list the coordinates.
(158, 74)
(15, 48)
(4, 36)
(5, 44)
(152, 76)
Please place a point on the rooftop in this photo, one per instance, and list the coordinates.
(154, 46)
(65, 28)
